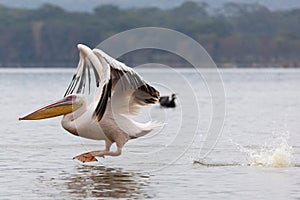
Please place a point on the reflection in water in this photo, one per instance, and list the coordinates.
(99, 181)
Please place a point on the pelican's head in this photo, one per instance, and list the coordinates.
(64, 106)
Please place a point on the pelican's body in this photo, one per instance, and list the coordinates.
(81, 123)
(120, 92)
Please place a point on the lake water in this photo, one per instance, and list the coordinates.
(256, 157)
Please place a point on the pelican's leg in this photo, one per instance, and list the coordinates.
(90, 156)
(114, 153)
(120, 142)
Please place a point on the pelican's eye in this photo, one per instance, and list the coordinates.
(71, 98)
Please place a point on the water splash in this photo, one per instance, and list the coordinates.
(276, 154)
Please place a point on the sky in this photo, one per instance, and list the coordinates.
(89, 5)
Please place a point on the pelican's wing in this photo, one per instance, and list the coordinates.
(89, 64)
(130, 91)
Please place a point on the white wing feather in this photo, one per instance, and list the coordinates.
(130, 91)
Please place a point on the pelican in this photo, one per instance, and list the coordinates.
(166, 102)
(119, 93)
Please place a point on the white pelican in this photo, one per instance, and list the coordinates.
(120, 92)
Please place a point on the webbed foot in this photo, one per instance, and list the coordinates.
(86, 157)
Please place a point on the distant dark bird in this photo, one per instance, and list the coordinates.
(166, 102)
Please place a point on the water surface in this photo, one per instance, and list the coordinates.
(261, 129)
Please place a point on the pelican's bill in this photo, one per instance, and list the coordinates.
(61, 107)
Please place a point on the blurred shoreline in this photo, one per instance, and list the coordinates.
(173, 65)
(235, 36)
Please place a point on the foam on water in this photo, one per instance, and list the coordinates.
(276, 154)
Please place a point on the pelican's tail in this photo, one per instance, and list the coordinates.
(136, 129)
(148, 127)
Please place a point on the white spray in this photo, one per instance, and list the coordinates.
(276, 154)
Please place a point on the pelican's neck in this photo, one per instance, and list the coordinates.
(68, 120)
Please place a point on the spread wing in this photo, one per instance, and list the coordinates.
(130, 90)
(114, 81)
(89, 65)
